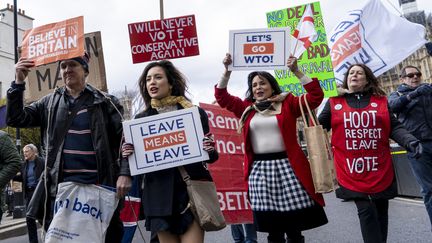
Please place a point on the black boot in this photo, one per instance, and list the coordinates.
(298, 240)
(276, 237)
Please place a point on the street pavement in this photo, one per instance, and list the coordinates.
(408, 222)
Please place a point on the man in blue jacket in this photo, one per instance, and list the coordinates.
(412, 103)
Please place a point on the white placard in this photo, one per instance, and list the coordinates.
(164, 141)
(259, 49)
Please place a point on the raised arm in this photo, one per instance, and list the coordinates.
(224, 99)
(19, 115)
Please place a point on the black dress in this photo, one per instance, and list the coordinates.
(165, 197)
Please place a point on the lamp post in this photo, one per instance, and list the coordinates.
(18, 133)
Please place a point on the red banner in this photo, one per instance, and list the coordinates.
(227, 172)
(163, 39)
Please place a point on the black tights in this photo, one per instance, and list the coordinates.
(373, 215)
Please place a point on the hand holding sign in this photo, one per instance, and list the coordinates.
(292, 64)
(227, 61)
(127, 150)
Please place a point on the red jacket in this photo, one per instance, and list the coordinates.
(287, 124)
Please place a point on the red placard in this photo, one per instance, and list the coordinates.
(163, 39)
(227, 172)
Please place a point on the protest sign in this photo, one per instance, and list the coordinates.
(163, 39)
(166, 140)
(316, 61)
(375, 37)
(259, 49)
(42, 80)
(55, 41)
(227, 172)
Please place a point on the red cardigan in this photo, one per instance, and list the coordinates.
(287, 125)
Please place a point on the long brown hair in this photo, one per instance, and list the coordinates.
(372, 86)
(175, 78)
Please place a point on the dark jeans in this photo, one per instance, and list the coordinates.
(247, 234)
(373, 215)
(422, 169)
(31, 223)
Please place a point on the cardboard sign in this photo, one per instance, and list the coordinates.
(163, 39)
(315, 62)
(227, 172)
(53, 42)
(166, 140)
(259, 49)
(44, 79)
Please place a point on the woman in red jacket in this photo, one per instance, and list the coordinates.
(281, 190)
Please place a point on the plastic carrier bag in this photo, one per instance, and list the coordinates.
(82, 213)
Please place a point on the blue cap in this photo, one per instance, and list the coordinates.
(83, 60)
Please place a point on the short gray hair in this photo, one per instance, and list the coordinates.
(32, 147)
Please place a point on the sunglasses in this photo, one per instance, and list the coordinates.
(411, 75)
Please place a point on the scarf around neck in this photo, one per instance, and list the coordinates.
(267, 109)
(171, 101)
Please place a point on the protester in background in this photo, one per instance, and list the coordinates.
(165, 199)
(281, 190)
(412, 104)
(361, 125)
(10, 162)
(84, 131)
(244, 233)
(29, 175)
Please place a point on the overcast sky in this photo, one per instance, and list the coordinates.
(214, 19)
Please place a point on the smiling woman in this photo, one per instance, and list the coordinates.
(361, 124)
(282, 196)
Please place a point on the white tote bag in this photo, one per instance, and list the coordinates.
(82, 213)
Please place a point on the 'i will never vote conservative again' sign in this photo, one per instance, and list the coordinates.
(164, 141)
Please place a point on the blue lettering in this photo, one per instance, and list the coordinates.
(149, 160)
(259, 59)
(249, 59)
(59, 204)
(162, 127)
(157, 155)
(185, 150)
(167, 154)
(258, 38)
(86, 208)
(91, 211)
(152, 129)
(77, 205)
(179, 123)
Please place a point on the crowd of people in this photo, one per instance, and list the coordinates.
(82, 142)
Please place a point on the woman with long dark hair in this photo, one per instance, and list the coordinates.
(165, 199)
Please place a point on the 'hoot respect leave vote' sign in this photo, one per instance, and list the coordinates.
(165, 140)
